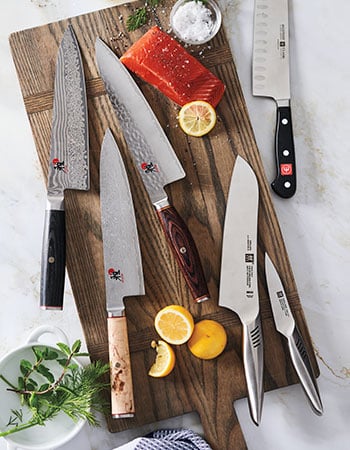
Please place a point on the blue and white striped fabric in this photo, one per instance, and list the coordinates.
(177, 439)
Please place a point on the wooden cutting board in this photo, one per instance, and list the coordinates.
(208, 387)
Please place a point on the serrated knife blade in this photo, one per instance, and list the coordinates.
(122, 269)
(285, 324)
(155, 161)
(271, 79)
(68, 165)
(239, 279)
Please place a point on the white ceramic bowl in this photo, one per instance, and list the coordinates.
(215, 17)
(56, 432)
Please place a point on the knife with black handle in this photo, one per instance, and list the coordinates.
(68, 165)
(271, 79)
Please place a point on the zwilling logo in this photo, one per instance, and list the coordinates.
(283, 303)
(249, 258)
(282, 41)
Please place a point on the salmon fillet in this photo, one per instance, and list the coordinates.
(161, 61)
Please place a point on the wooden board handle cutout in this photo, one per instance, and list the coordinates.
(122, 397)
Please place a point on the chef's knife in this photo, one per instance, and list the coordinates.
(271, 79)
(155, 160)
(286, 325)
(239, 279)
(123, 269)
(68, 165)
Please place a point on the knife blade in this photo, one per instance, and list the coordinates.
(239, 281)
(271, 79)
(285, 324)
(68, 165)
(155, 161)
(123, 269)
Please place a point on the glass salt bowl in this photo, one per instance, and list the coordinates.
(215, 17)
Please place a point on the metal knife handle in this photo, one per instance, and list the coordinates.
(285, 182)
(253, 359)
(122, 396)
(53, 260)
(302, 365)
(185, 251)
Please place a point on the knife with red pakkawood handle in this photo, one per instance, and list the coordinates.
(123, 270)
(155, 161)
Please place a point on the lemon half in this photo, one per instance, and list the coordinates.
(174, 324)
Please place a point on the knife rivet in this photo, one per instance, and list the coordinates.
(51, 259)
(284, 121)
(285, 152)
(183, 250)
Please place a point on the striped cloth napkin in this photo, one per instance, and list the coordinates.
(177, 439)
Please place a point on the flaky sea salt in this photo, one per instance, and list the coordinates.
(193, 21)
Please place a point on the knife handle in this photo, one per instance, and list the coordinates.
(302, 365)
(53, 260)
(122, 396)
(285, 182)
(185, 251)
(253, 359)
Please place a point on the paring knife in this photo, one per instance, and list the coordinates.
(239, 279)
(271, 79)
(68, 165)
(123, 269)
(155, 160)
(286, 325)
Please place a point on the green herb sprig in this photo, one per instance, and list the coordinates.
(140, 16)
(77, 391)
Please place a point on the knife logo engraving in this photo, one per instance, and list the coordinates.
(59, 165)
(116, 275)
(282, 41)
(149, 167)
(283, 303)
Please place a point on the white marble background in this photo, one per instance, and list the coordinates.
(315, 223)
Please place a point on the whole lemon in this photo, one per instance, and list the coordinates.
(208, 339)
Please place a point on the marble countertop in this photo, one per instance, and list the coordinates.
(314, 223)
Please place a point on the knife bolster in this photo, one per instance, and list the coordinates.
(122, 398)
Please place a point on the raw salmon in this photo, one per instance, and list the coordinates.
(161, 61)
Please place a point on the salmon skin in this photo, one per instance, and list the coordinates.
(161, 61)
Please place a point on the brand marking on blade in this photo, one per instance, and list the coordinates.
(282, 301)
(149, 167)
(59, 165)
(250, 261)
(116, 274)
(281, 42)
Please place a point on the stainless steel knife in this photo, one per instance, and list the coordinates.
(155, 160)
(68, 165)
(271, 79)
(239, 279)
(123, 270)
(286, 325)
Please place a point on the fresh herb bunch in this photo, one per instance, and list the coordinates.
(77, 391)
(140, 16)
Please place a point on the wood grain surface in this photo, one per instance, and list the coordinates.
(208, 387)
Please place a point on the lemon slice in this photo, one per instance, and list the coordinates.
(165, 360)
(197, 118)
(174, 324)
(208, 339)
